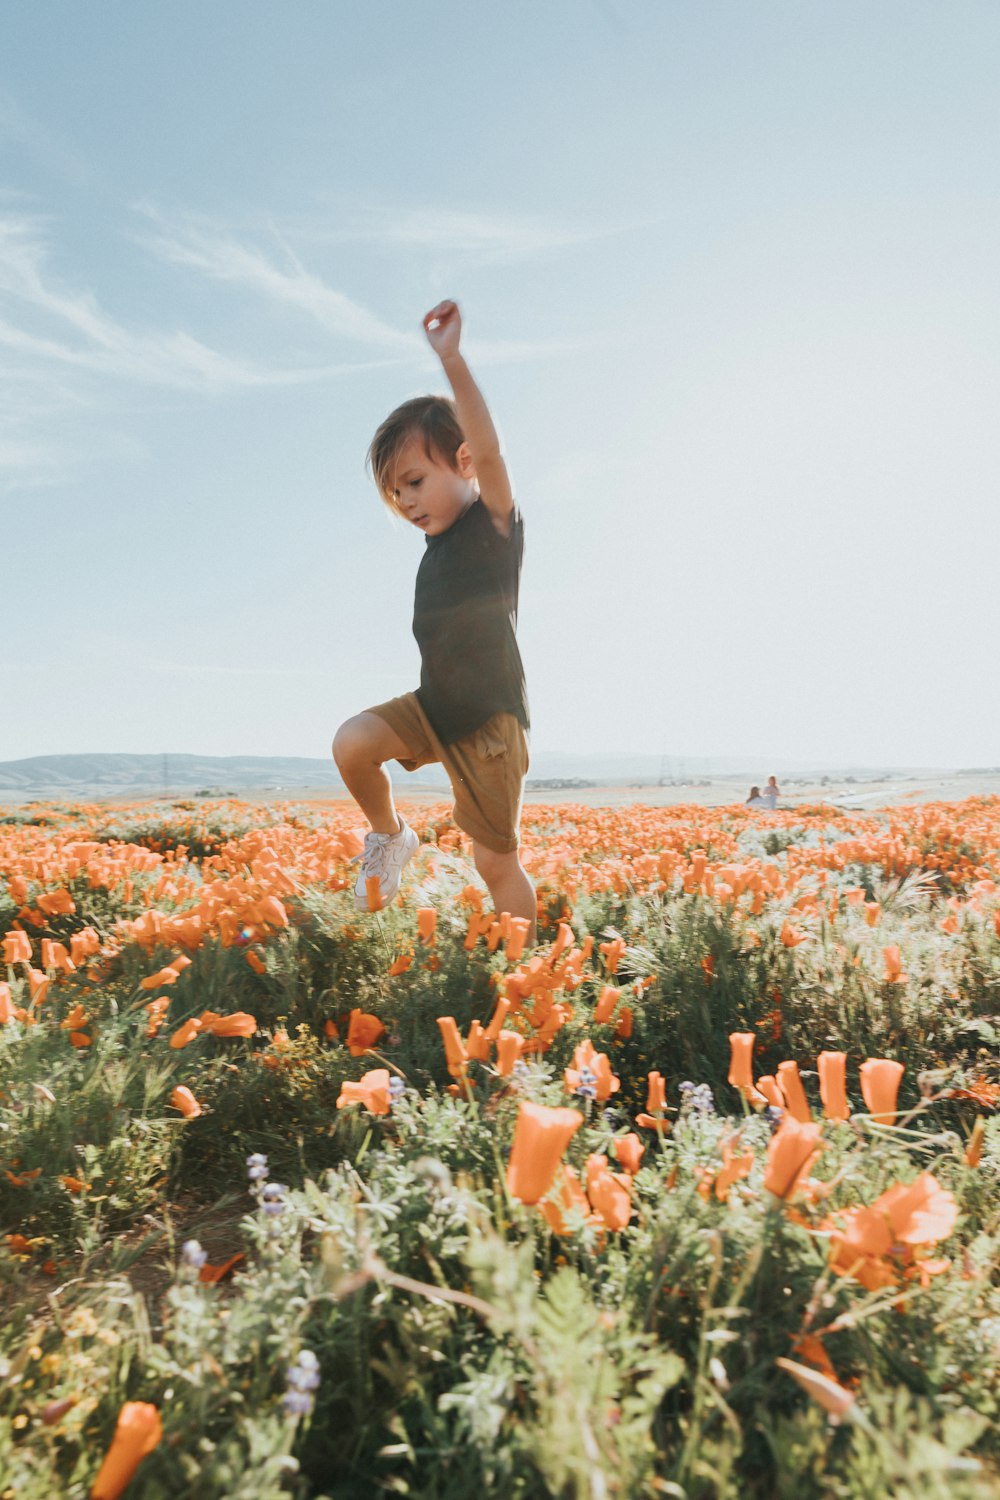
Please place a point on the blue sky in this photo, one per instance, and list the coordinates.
(728, 274)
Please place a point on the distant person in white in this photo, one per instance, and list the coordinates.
(770, 794)
(754, 799)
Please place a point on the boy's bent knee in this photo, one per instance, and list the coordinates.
(366, 740)
(351, 743)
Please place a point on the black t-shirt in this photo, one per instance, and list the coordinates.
(464, 618)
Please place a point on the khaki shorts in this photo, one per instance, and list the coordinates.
(486, 769)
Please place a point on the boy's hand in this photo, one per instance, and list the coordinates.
(443, 327)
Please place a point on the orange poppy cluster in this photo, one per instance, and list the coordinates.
(880, 1079)
(240, 895)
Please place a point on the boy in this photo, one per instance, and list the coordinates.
(437, 463)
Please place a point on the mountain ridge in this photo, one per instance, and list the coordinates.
(115, 773)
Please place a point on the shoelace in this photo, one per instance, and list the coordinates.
(375, 854)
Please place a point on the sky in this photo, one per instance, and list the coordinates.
(728, 277)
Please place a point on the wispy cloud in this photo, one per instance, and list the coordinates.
(63, 351)
(275, 271)
(280, 277)
(487, 235)
(71, 329)
(61, 340)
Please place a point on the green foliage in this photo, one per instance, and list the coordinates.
(462, 1347)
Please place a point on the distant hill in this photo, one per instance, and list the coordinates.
(117, 775)
(112, 775)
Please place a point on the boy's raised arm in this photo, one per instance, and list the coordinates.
(443, 327)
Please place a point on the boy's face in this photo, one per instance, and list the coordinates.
(427, 492)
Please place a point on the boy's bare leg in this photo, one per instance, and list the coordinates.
(509, 886)
(361, 747)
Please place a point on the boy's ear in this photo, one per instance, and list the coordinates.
(463, 462)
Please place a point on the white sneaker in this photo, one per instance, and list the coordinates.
(384, 856)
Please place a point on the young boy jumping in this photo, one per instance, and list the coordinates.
(437, 463)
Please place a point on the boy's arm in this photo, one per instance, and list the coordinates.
(443, 326)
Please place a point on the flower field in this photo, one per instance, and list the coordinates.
(698, 1197)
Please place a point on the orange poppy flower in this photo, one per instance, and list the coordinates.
(80, 1039)
(371, 1090)
(510, 1045)
(477, 1043)
(161, 977)
(625, 1023)
(210, 1274)
(741, 1059)
(564, 940)
(874, 1242)
(606, 1002)
(793, 1149)
(768, 1086)
(138, 1431)
(76, 1018)
(812, 1349)
(629, 1151)
(156, 1011)
(17, 948)
(182, 1098)
(363, 1032)
(240, 1023)
(832, 1067)
(499, 1016)
(872, 912)
(612, 953)
(455, 1051)
(605, 1082)
(791, 936)
(54, 956)
(565, 1198)
(514, 945)
(38, 985)
(400, 965)
(426, 924)
(974, 1149)
(75, 1184)
(18, 1179)
(541, 1135)
(656, 1093)
(609, 1192)
(880, 1078)
(795, 1095)
(6, 1004)
(56, 903)
(921, 1212)
(479, 926)
(732, 1170)
(185, 1033)
(84, 944)
(893, 966)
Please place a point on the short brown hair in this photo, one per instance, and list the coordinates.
(430, 418)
